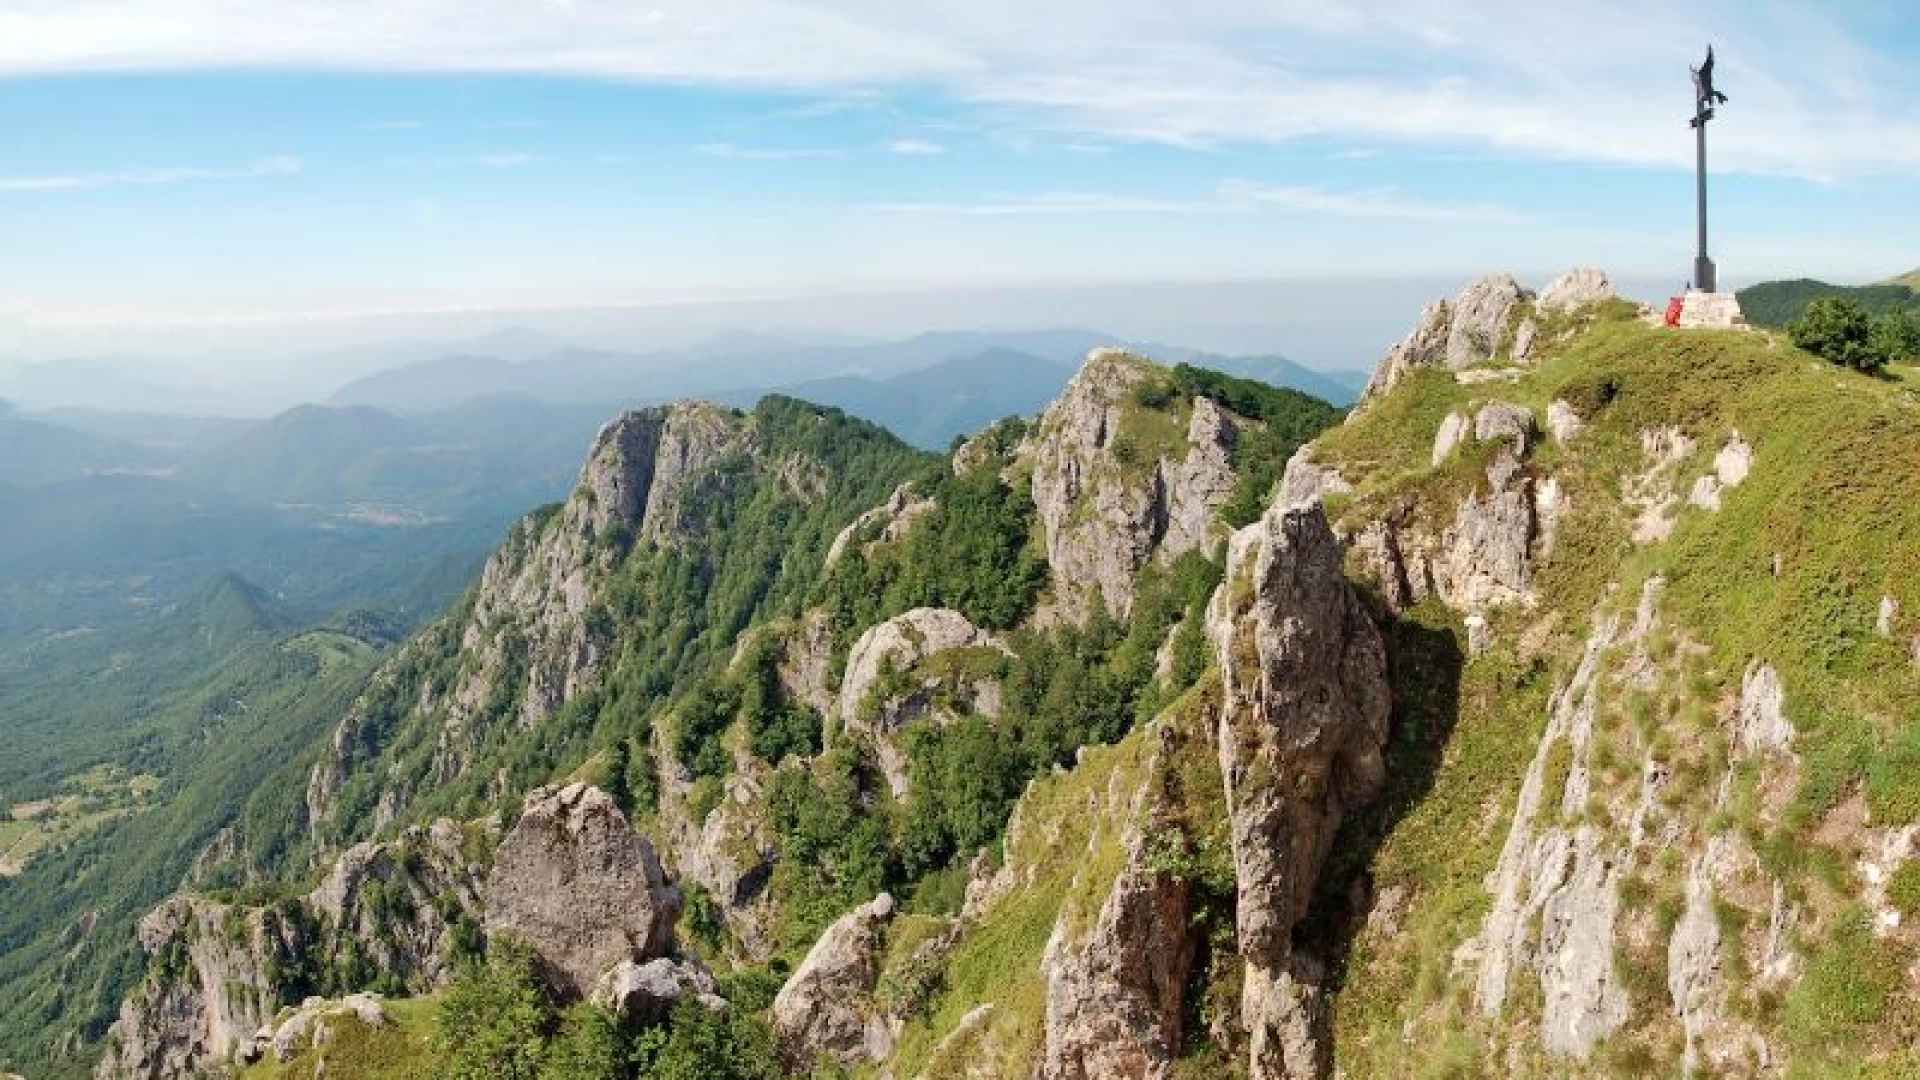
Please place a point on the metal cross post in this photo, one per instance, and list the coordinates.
(1705, 97)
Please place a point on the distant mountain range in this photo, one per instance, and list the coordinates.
(928, 388)
(33, 450)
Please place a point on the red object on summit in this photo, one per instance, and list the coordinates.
(1674, 307)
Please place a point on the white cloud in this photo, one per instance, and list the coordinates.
(148, 176)
(1816, 89)
(915, 147)
(1234, 197)
(766, 153)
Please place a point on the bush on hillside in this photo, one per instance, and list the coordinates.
(1843, 332)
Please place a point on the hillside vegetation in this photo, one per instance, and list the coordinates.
(1774, 304)
(1551, 716)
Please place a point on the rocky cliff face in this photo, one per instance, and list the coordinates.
(1304, 677)
(211, 987)
(217, 973)
(1114, 487)
(1482, 776)
(526, 636)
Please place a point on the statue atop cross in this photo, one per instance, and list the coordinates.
(1705, 98)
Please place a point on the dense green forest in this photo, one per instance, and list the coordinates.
(1775, 304)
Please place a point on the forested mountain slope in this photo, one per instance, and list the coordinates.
(1551, 716)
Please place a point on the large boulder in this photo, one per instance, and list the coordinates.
(826, 1007)
(644, 994)
(577, 884)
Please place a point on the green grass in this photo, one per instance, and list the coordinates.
(1831, 492)
(402, 1050)
(998, 960)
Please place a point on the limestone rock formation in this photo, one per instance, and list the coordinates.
(1576, 289)
(428, 872)
(1110, 502)
(576, 883)
(1486, 556)
(1306, 482)
(1452, 334)
(299, 1028)
(1452, 430)
(209, 988)
(1300, 735)
(871, 704)
(644, 994)
(884, 523)
(1563, 422)
(1500, 420)
(1115, 990)
(826, 1008)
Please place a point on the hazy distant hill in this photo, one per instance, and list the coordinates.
(492, 455)
(33, 450)
(1911, 280)
(1777, 303)
(98, 551)
(161, 431)
(930, 406)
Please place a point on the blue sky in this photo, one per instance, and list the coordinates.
(219, 158)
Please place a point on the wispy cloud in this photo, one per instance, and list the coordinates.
(1370, 203)
(1075, 202)
(1818, 89)
(1234, 197)
(1366, 153)
(915, 147)
(767, 153)
(149, 176)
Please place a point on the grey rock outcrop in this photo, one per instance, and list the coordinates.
(1306, 482)
(1300, 734)
(295, 1030)
(1445, 441)
(1201, 482)
(209, 988)
(1115, 989)
(1500, 420)
(1523, 341)
(826, 1007)
(1576, 289)
(884, 524)
(1109, 504)
(1563, 422)
(1760, 721)
(576, 883)
(872, 704)
(427, 871)
(1452, 334)
(806, 666)
(213, 983)
(1486, 556)
(644, 994)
